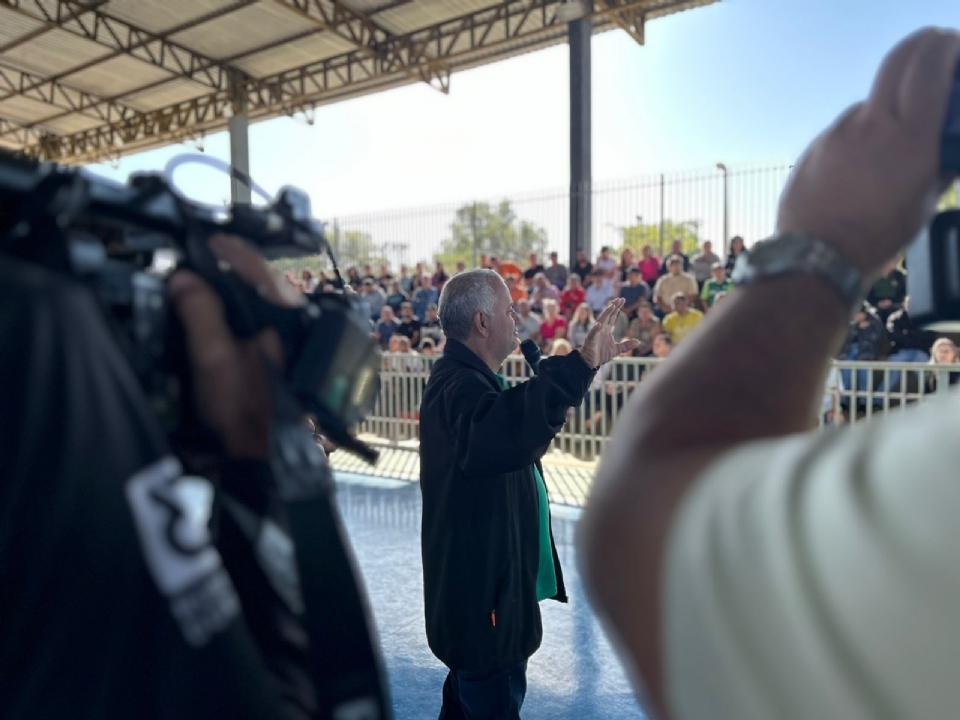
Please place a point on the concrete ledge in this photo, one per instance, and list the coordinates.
(568, 479)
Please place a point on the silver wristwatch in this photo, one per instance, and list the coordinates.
(793, 254)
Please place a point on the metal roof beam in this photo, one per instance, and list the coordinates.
(319, 82)
(369, 37)
(126, 39)
(630, 16)
(58, 95)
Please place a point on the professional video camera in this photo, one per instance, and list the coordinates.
(109, 236)
(933, 260)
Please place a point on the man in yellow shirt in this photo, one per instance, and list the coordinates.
(682, 320)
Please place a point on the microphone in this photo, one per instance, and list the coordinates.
(532, 354)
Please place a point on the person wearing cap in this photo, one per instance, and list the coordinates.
(634, 292)
(372, 297)
(717, 284)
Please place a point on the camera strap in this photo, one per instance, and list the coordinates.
(346, 664)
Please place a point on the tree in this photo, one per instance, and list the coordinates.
(636, 236)
(353, 248)
(494, 230)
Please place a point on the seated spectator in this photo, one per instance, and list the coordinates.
(889, 290)
(542, 291)
(716, 285)
(676, 250)
(528, 326)
(626, 264)
(534, 268)
(385, 280)
(554, 325)
(634, 292)
(556, 272)
(866, 341)
(649, 266)
(572, 297)
(424, 296)
(662, 345)
(582, 267)
(582, 323)
(430, 326)
(374, 299)
(506, 268)
(599, 291)
(737, 248)
(675, 281)
(310, 283)
(409, 324)
(517, 293)
(701, 264)
(353, 278)
(559, 347)
(682, 320)
(387, 327)
(943, 352)
(645, 328)
(606, 264)
(396, 296)
(908, 343)
(440, 277)
(368, 274)
(406, 280)
(428, 348)
(461, 267)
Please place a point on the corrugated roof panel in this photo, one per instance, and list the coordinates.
(26, 110)
(77, 122)
(243, 30)
(170, 93)
(14, 25)
(418, 15)
(160, 16)
(297, 53)
(54, 52)
(118, 75)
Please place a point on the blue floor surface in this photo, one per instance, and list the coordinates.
(574, 675)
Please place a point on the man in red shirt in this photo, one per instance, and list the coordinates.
(571, 298)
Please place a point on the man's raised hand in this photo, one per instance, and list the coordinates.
(600, 347)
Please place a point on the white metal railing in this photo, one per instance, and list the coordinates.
(861, 391)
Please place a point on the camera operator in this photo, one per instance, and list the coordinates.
(761, 570)
(123, 592)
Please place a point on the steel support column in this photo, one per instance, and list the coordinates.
(239, 124)
(579, 34)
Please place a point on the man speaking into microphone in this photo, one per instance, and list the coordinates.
(488, 551)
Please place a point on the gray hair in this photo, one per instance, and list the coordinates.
(463, 297)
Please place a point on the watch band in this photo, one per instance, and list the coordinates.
(795, 253)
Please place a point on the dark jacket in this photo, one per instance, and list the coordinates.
(904, 335)
(479, 537)
(872, 343)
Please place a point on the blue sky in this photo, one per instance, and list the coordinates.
(739, 82)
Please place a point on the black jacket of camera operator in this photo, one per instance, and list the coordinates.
(480, 531)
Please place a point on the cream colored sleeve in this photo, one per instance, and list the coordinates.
(818, 577)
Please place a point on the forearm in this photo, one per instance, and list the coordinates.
(761, 353)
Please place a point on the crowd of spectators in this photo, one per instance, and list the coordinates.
(665, 299)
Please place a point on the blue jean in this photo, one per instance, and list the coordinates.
(485, 694)
(917, 356)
